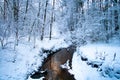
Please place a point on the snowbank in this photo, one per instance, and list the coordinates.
(19, 63)
(106, 53)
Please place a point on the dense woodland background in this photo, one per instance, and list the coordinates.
(81, 21)
(29, 28)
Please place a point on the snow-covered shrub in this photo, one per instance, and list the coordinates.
(95, 64)
(111, 70)
(107, 71)
(117, 70)
(82, 56)
(100, 55)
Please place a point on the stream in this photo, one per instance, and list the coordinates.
(51, 68)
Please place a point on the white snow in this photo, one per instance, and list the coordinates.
(15, 65)
(94, 52)
(19, 63)
(66, 65)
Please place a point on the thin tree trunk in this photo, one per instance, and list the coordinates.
(38, 20)
(16, 12)
(26, 10)
(42, 35)
(5, 7)
(116, 17)
(52, 19)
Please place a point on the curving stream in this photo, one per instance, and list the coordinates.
(51, 67)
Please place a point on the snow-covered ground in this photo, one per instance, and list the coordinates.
(17, 64)
(107, 54)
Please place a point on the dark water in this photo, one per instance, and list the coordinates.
(51, 65)
(64, 75)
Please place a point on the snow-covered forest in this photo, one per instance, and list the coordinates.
(29, 27)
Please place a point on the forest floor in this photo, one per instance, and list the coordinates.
(19, 63)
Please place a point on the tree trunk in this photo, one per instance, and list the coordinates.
(42, 34)
(116, 16)
(16, 16)
(5, 11)
(26, 10)
(52, 19)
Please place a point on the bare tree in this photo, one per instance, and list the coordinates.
(43, 26)
(116, 15)
(5, 7)
(26, 9)
(4, 27)
(52, 19)
(16, 17)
